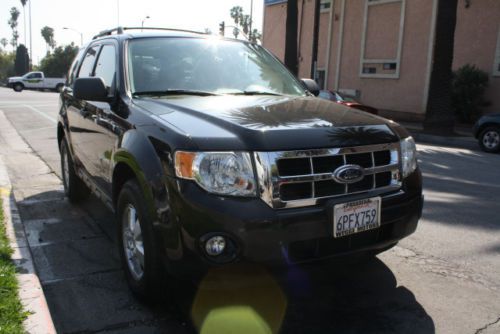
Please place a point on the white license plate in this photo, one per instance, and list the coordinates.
(356, 216)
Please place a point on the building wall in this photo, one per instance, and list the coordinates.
(476, 37)
(478, 29)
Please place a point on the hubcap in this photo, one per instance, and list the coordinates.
(491, 139)
(132, 242)
(65, 166)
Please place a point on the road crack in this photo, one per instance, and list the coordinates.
(483, 329)
(443, 268)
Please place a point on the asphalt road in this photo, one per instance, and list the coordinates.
(445, 278)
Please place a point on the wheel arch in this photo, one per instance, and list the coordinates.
(484, 126)
(138, 159)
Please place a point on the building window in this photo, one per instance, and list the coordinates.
(496, 62)
(320, 77)
(382, 38)
(325, 5)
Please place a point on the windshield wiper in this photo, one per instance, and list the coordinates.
(255, 92)
(175, 92)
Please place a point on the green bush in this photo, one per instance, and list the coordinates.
(469, 84)
(6, 65)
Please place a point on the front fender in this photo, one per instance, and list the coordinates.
(137, 153)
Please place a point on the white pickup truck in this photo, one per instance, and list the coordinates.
(35, 80)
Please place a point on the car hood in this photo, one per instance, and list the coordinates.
(268, 122)
(15, 78)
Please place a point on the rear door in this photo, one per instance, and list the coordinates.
(106, 122)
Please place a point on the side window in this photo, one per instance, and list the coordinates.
(74, 68)
(37, 75)
(88, 62)
(106, 65)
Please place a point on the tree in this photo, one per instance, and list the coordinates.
(57, 63)
(14, 16)
(439, 114)
(6, 65)
(4, 42)
(291, 55)
(245, 23)
(48, 36)
(23, 2)
(22, 61)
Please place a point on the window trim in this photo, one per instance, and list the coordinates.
(326, 10)
(496, 60)
(397, 60)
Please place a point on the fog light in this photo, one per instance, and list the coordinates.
(215, 245)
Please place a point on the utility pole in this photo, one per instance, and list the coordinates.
(118, 11)
(31, 38)
(251, 20)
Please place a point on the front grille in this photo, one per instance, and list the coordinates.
(300, 178)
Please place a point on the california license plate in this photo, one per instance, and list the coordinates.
(355, 217)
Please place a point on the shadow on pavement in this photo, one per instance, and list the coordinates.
(455, 189)
(75, 255)
(333, 297)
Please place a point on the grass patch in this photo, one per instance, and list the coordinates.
(11, 310)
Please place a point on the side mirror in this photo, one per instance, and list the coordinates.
(92, 89)
(311, 86)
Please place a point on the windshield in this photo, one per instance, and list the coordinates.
(207, 65)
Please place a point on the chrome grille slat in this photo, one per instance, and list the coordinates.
(270, 182)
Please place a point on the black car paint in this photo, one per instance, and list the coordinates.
(484, 122)
(110, 141)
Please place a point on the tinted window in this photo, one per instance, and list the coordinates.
(210, 65)
(106, 65)
(37, 75)
(88, 63)
(73, 68)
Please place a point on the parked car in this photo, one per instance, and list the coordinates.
(210, 152)
(346, 100)
(487, 131)
(35, 80)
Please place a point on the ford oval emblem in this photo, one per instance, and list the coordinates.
(348, 174)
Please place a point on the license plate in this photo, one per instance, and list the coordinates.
(357, 216)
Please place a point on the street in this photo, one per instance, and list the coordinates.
(445, 278)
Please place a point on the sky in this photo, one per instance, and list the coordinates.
(91, 16)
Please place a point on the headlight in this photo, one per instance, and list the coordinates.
(408, 156)
(223, 173)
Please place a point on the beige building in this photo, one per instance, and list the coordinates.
(381, 50)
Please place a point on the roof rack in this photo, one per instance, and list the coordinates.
(121, 30)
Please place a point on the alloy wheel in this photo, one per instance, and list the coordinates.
(132, 242)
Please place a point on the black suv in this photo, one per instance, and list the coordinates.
(210, 152)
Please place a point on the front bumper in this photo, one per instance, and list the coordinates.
(276, 237)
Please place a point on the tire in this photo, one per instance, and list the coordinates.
(18, 87)
(74, 188)
(489, 139)
(59, 88)
(138, 246)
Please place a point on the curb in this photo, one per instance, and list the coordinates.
(457, 142)
(30, 290)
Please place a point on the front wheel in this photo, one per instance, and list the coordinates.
(489, 139)
(74, 188)
(18, 87)
(138, 246)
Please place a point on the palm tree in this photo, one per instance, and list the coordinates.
(439, 114)
(291, 56)
(4, 42)
(23, 2)
(48, 36)
(14, 15)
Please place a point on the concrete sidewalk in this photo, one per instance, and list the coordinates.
(463, 139)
